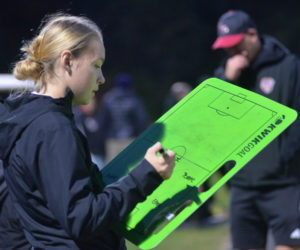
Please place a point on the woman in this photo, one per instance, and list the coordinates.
(48, 169)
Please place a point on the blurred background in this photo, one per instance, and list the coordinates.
(157, 42)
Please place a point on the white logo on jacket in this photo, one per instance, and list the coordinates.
(267, 84)
(295, 234)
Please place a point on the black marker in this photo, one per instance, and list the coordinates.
(162, 151)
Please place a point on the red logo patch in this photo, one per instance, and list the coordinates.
(267, 84)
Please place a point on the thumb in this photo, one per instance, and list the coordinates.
(156, 147)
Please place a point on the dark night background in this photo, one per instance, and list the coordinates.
(157, 41)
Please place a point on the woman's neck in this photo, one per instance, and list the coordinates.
(55, 89)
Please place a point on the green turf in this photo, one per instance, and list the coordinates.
(210, 238)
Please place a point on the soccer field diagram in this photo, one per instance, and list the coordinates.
(217, 124)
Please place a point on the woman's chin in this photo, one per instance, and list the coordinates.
(81, 101)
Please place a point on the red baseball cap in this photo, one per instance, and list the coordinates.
(232, 27)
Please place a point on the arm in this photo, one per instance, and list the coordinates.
(64, 180)
(232, 68)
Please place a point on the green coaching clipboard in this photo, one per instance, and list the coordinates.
(217, 123)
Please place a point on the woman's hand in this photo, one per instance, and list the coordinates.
(164, 164)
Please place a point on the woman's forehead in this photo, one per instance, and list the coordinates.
(96, 49)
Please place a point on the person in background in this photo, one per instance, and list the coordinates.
(124, 115)
(178, 90)
(54, 185)
(272, 179)
(89, 120)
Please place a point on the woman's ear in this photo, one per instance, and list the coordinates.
(66, 61)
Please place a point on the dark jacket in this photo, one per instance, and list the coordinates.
(12, 236)
(275, 74)
(92, 126)
(124, 114)
(53, 182)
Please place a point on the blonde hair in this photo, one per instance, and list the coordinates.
(60, 32)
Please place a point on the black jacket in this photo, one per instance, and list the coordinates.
(53, 182)
(12, 236)
(275, 74)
